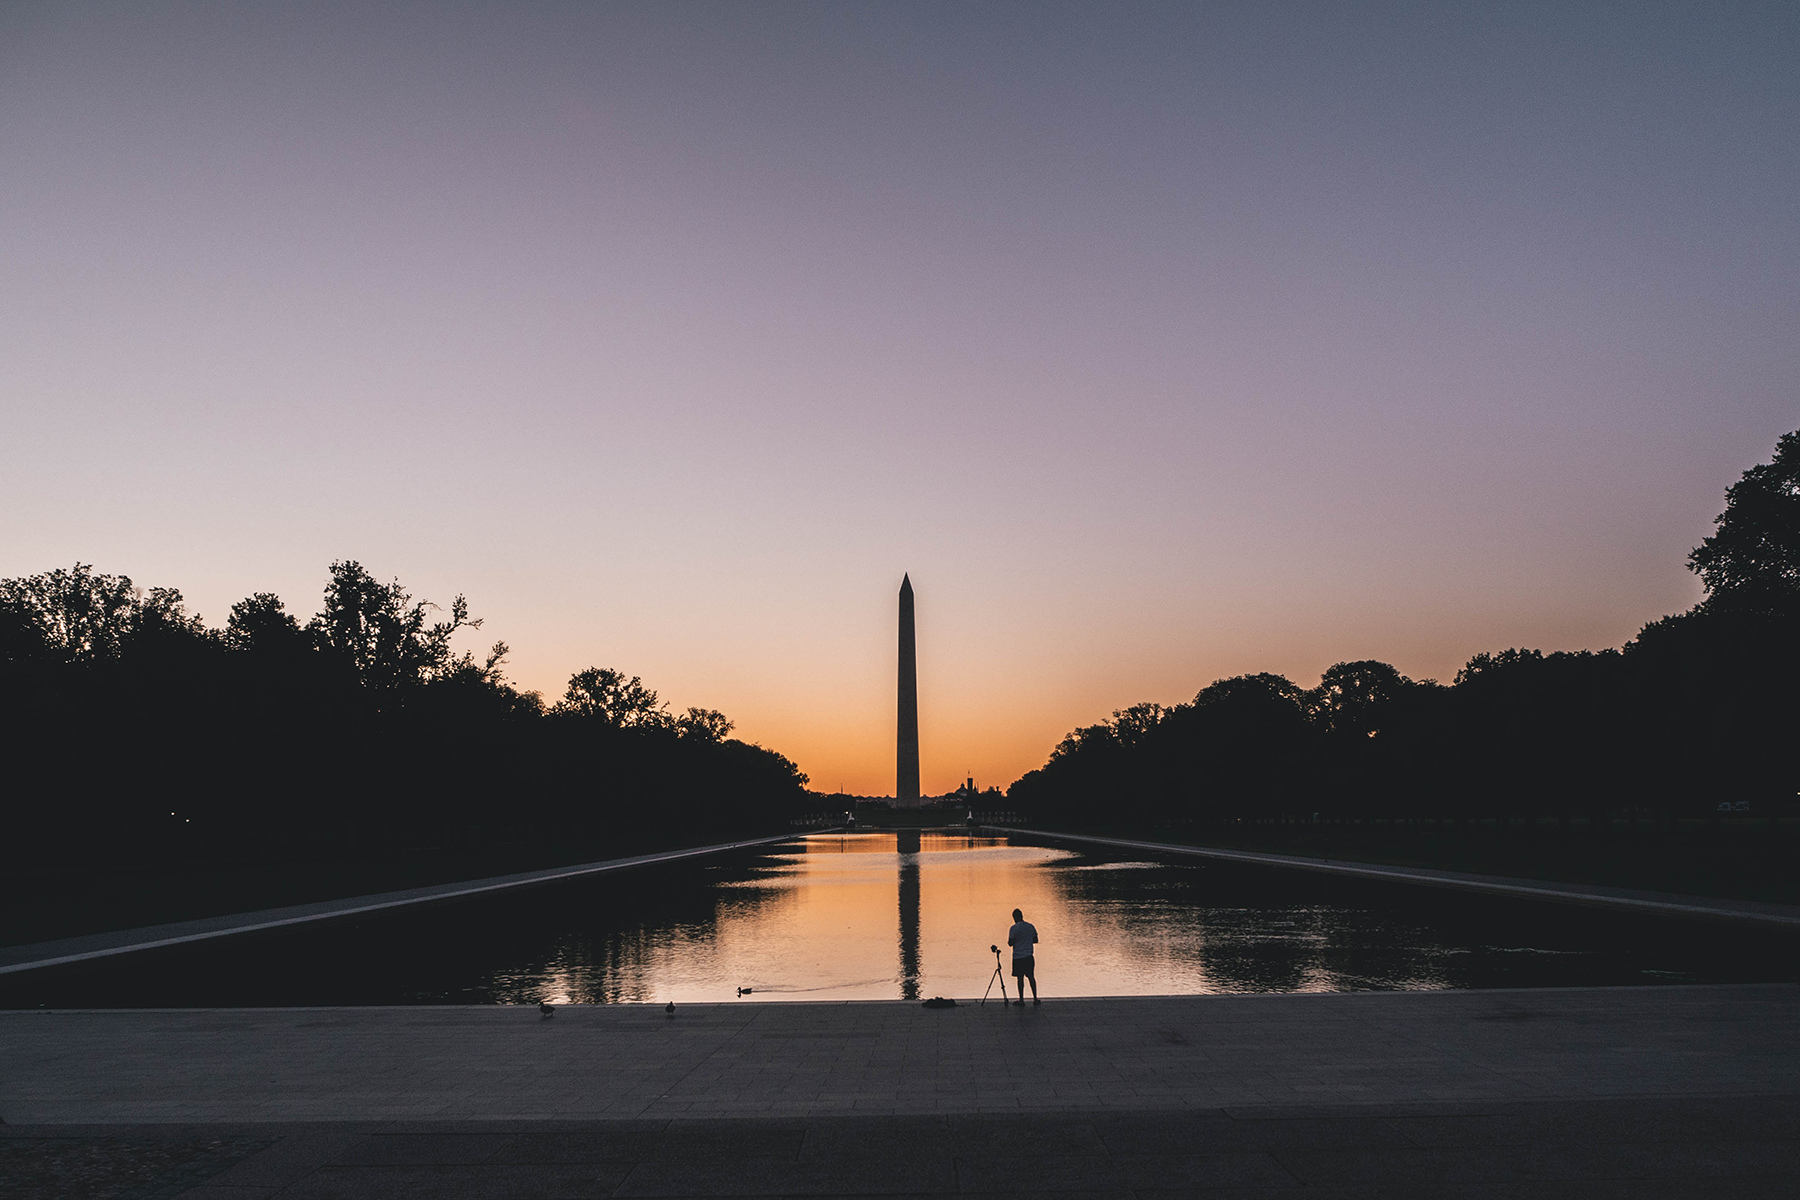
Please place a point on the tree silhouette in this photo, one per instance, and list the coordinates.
(143, 735)
(1697, 709)
(381, 635)
(605, 695)
(1751, 563)
(262, 623)
(1354, 698)
(705, 725)
(74, 615)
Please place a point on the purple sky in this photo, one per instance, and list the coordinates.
(1158, 343)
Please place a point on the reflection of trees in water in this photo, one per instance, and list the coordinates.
(1226, 928)
(629, 932)
(868, 842)
(638, 950)
(1317, 948)
(1238, 931)
(1164, 927)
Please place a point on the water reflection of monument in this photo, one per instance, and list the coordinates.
(909, 926)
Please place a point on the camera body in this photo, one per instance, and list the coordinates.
(995, 949)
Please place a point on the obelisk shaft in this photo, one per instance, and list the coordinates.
(906, 743)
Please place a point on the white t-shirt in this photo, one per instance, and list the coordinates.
(1022, 937)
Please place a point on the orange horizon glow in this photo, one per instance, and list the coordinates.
(993, 705)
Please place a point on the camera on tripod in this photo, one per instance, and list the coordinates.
(996, 977)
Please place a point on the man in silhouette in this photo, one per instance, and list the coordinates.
(1022, 937)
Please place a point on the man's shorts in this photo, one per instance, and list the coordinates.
(1025, 968)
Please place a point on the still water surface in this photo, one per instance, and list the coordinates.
(847, 917)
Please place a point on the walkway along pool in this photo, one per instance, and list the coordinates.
(849, 917)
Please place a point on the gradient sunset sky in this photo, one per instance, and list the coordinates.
(1157, 342)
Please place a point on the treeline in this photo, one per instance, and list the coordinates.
(131, 728)
(1698, 710)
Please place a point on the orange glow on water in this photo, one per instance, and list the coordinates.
(848, 917)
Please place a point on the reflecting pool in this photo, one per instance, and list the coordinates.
(848, 917)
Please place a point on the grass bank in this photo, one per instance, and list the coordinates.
(45, 903)
(1735, 859)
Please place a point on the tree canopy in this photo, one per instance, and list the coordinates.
(1699, 708)
(132, 727)
(1751, 563)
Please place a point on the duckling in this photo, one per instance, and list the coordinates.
(545, 1007)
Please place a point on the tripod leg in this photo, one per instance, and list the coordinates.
(990, 986)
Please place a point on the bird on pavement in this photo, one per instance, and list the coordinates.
(670, 1010)
(546, 1008)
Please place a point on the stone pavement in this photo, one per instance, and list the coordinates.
(1714, 1148)
(1676, 1091)
(804, 1059)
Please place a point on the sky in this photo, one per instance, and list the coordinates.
(1158, 343)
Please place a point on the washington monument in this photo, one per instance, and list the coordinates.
(906, 743)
